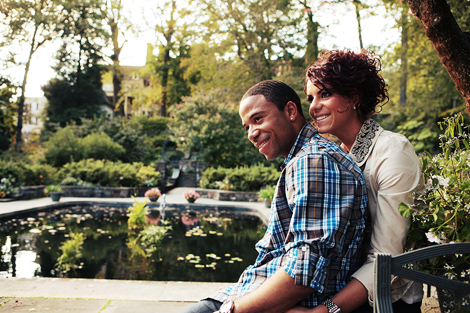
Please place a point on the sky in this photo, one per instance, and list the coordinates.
(340, 30)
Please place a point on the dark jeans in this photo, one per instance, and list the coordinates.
(398, 307)
(203, 306)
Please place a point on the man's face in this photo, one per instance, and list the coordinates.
(269, 129)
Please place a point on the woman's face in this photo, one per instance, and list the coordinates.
(331, 112)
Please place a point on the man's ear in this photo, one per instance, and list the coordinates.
(291, 111)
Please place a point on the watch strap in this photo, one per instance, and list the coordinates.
(331, 306)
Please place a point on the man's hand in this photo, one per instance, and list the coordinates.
(276, 295)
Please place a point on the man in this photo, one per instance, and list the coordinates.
(313, 241)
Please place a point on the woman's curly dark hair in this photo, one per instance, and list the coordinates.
(352, 75)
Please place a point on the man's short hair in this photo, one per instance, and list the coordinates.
(277, 92)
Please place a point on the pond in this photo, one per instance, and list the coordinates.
(204, 245)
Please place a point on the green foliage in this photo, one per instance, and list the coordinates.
(148, 176)
(108, 173)
(251, 178)
(65, 107)
(39, 174)
(151, 238)
(267, 193)
(101, 147)
(69, 260)
(7, 187)
(441, 212)
(421, 138)
(204, 126)
(12, 170)
(63, 147)
(52, 188)
(260, 31)
(138, 135)
(137, 215)
(430, 93)
(7, 113)
(28, 174)
(115, 139)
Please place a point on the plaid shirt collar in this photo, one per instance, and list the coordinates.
(305, 134)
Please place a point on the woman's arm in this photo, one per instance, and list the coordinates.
(348, 299)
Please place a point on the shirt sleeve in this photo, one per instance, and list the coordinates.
(326, 227)
(394, 174)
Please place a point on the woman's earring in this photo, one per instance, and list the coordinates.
(354, 107)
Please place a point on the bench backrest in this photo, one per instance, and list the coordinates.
(386, 266)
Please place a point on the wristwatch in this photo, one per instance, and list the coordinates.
(331, 306)
(226, 307)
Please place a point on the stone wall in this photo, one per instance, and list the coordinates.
(223, 195)
(35, 192)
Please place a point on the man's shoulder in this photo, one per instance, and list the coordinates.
(317, 144)
(320, 147)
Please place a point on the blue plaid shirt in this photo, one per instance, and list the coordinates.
(316, 224)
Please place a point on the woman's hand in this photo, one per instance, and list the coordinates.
(301, 309)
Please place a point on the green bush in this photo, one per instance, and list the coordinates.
(100, 146)
(251, 178)
(148, 177)
(39, 174)
(28, 174)
(12, 170)
(110, 174)
(63, 147)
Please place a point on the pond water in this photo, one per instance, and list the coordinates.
(210, 246)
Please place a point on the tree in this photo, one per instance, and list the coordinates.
(450, 42)
(358, 6)
(116, 22)
(171, 20)
(261, 33)
(7, 91)
(30, 21)
(206, 127)
(311, 53)
(78, 93)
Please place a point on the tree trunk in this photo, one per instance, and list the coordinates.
(357, 5)
(19, 123)
(452, 45)
(166, 62)
(165, 73)
(311, 54)
(116, 68)
(403, 57)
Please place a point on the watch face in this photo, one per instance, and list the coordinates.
(226, 307)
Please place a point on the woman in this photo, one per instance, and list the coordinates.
(345, 90)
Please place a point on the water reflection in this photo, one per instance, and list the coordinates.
(200, 247)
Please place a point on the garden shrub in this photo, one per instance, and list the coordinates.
(39, 174)
(13, 171)
(108, 173)
(148, 177)
(100, 146)
(251, 178)
(63, 147)
(212, 176)
(28, 174)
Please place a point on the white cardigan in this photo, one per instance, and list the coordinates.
(392, 173)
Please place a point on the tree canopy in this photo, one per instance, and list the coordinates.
(204, 54)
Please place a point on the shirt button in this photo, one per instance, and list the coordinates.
(304, 249)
